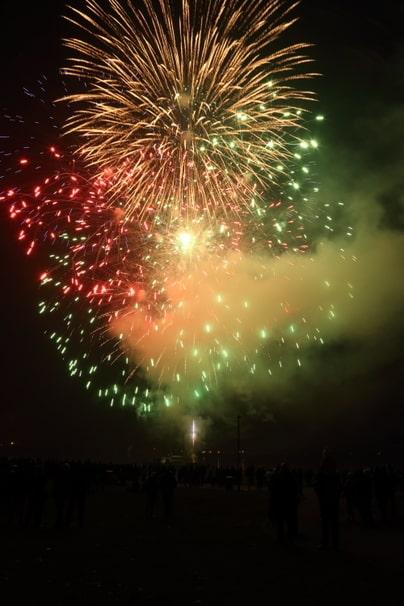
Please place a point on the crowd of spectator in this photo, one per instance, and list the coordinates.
(369, 496)
(366, 496)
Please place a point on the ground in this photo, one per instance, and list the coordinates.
(218, 550)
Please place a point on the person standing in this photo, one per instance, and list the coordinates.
(283, 503)
(168, 484)
(328, 489)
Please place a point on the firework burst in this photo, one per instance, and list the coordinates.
(187, 105)
(167, 247)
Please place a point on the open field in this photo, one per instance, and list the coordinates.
(218, 550)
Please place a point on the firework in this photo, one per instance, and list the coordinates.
(187, 109)
(177, 240)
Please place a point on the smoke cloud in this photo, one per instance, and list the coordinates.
(344, 298)
(253, 326)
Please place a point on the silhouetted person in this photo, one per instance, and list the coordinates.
(299, 480)
(168, 485)
(385, 487)
(151, 488)
(393, 485)
(364, 495)
(283, 504)
(260, 478)
(308, 476)
(17, 492)
(250, 475)
(79, 484)
(229, 481)
(135, 485)
(328, 489)
(61, 490)
(36, 496)
(350, 496)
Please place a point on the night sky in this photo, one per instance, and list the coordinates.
(359, 50)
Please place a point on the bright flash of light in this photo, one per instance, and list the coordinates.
(186, 241)
(193, 432)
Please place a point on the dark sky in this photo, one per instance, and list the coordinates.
(359, 50)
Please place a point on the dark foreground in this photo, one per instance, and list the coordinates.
(219, 549)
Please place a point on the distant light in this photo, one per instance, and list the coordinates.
(193, 432)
